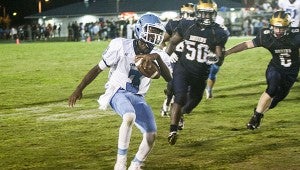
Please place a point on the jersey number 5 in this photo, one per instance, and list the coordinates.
(285, 59)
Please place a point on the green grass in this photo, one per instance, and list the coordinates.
(39, 131)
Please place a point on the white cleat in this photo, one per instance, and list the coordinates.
(208, 94)
(119, 166)
(135, 166)
(164, 112)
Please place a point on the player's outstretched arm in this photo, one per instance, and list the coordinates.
(88, 78)
(240, 47)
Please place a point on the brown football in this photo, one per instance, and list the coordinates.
(148, 69)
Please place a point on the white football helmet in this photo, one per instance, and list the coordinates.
(150, 29)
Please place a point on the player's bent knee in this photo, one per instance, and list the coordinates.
(180, 98)
(271, 91)
(213, 72)
(150, 137)
(129, 117)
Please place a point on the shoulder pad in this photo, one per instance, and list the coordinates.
(295, 30)
(266, 31)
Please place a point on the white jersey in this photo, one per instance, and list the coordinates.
(120, 57)
(220, 20)
(293, 9)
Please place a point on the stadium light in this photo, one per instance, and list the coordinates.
(40, 5)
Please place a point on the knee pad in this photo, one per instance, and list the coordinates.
(191, 103)
(214, 69)
(274, 79)
(129, 118)
(180, 98)
(272, 90)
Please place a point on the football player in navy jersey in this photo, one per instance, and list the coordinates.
(283, 43)
(204, 43)
(187, 11)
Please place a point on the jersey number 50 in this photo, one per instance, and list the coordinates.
(197, 52)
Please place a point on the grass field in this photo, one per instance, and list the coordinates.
(39, 131)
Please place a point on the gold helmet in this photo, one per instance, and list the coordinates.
(280, 23)
(187, 10)
(206, 11)
(280, 19)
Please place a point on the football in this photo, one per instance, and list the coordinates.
(149, 69)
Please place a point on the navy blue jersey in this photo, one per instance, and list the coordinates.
(198, 42)
(285, 50)
(171, 26)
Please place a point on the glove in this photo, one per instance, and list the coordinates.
(211, 58)
(173, 58)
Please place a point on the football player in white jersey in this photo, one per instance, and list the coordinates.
(293, 8)
(214, 69)
(126, 86)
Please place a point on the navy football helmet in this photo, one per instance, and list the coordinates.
(150, 29)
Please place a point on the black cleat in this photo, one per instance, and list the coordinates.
(255, 121)
(172, 137)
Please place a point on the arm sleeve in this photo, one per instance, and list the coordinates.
(102, 65)
(258, 40)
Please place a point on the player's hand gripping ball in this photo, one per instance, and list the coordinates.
(149, 68)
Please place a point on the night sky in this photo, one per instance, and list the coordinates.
(29, 7)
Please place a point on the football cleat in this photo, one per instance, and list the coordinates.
(208, 94)
(181, 123)
(255, 120)
(135, 166)
(119, 166)
(172, 137)
(164, 112)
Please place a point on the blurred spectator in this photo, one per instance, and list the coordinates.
(246, 27)
(267, 7)
(54, 30)
(14, 33)
(293, 8)
(258, 24)
(130, 28)
(59, 30)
